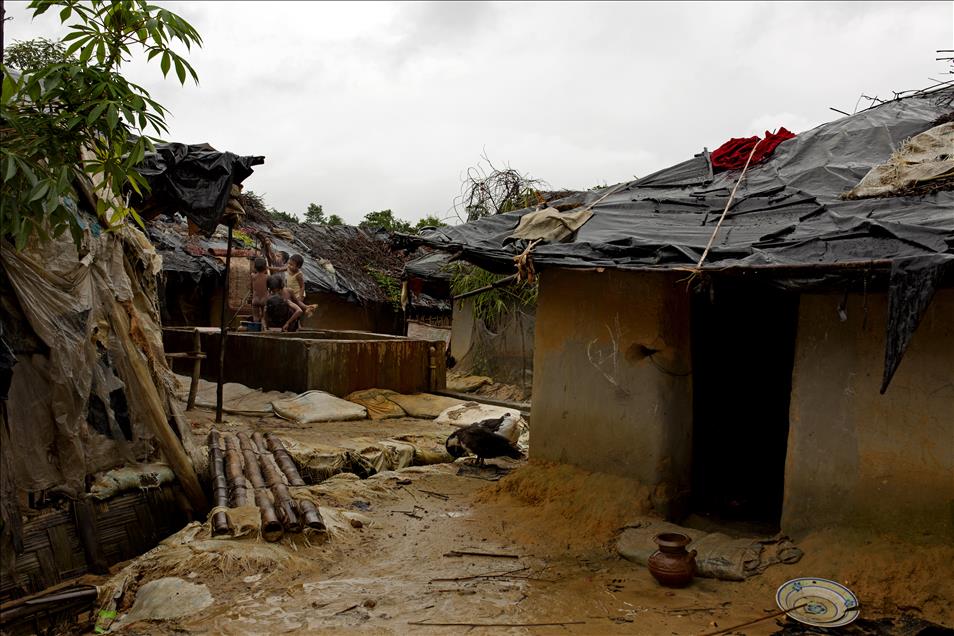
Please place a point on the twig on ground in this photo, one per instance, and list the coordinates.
(460, 553)
(486, 575)
(346, 610)
(552, 624)
(434, 494)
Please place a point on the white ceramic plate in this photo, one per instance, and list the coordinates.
(824, 603)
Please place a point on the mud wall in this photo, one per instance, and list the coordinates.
(336, 362)
(334, 312)
(610, 389)
(856, 458)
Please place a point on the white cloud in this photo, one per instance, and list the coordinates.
(363, 106)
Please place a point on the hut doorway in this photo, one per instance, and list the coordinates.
(743, 347)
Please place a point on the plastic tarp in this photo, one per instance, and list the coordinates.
(718, 555)
(549, 224)
(194, 179)
(925, 158)
(76, 410)
(790, 222)
(318, 406)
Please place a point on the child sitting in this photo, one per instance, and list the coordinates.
(280, 313)
(259, 289)
(296, 283)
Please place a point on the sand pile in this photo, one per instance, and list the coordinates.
(563, 506)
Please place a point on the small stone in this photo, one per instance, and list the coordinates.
(370, 603)
(356, 523)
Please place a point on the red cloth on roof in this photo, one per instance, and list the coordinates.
(733, 154)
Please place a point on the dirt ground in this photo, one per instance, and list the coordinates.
(388, 562)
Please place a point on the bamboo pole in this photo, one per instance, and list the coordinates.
(196, 370)
(284, 504)
(234, 472)
(284, 460)
(224, 326)
(220, 488)
(271, 527)
(309, 511)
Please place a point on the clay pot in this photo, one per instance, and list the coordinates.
(671, 565)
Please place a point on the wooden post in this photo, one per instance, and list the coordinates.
(224, 325)
(196, 369)
(87, 528)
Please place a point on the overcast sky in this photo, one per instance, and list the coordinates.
(364, 106)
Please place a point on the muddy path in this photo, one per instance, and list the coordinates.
(396, 556)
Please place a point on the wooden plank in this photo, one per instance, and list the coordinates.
(88, 530)
(60, 548)
(147, 526)
(48, 573)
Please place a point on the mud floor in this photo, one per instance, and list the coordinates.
(395, 557)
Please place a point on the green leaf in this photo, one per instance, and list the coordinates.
(135, 216)
(87, 52)
(112, 117)
(180, 70)
(9, 88)
(65, 14)
(11, 169)
(96, 112)
(39, 191)
(164, 64)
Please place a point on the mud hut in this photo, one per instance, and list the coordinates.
(351, 274)
(94, 467)
(773, 348)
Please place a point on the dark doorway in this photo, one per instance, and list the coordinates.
(743, 346)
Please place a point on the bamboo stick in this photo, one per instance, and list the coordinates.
(284, 504)
(309, 511)
(238, 489)
(271, 527)
(220, 489)
(252, 470)
(284, 460)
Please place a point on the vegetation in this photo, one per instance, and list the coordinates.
(65, 117)
(385, 219)
(276, 215)
(390, 285)
(431, 220)
(29, 56)
(488, 190)
(316, 214)
(493, 305)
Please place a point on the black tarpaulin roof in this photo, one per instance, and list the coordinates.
(788, 220)
(344, 260)
(194, 179)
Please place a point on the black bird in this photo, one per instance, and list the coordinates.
(485, 439)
